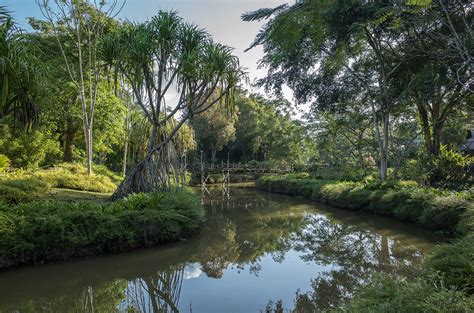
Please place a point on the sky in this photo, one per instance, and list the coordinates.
(221, 18)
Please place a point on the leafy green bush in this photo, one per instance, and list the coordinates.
(4, 163)
(454, 263)
(50, 230)
(392, 294)
(449, 170)
(28, 150)
(14, 191)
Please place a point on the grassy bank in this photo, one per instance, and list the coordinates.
(46, 231)
(445, 281)
(452, 213)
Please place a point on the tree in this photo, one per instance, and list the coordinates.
(214, 129)
(439, 65)
(160, 57)
(311, 42)
(83, 22)
(17, 74)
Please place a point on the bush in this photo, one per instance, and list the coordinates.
(450, 170)
(454, 263)
(4, 163)
(28, 150)
(391, 294)
(45, 231)
(14, 191)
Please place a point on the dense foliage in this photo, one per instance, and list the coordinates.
(407, 201)
(43, 231)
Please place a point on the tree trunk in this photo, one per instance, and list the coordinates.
(437, 138)
(89, 149)
(384, 148)
(125, 154)
(125, 146)
(155, 172)
(425, 128)
(68, 140)
(153, 138)
(213, 155)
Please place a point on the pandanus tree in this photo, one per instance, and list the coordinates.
(162, 59)
(17, 74)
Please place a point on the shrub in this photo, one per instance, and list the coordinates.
(454, 263)
(444, 212)
(51, 230)
(391, 294)
(28, 150)
(4, 163)
(14, 191)
(449, 170)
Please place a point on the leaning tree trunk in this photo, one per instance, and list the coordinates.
(156, 172)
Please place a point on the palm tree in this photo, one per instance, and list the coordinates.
(161, 57)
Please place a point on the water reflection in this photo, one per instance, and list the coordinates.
(253, 248)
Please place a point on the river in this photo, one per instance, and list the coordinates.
(255, 248)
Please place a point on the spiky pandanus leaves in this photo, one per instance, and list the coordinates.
(158, 56)
(17, 73)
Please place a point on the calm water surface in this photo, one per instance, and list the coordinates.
(255, 248)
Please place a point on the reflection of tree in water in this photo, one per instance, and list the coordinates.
(159, 293)
(353, 255)
(90, 299)
(241, 234)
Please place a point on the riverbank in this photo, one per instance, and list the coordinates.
(446, 278)
(451, 213)
(53, 230)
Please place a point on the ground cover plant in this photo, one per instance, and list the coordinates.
(45, 231)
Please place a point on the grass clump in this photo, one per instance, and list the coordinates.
(45, 231)
(23, 186)
(75, 176)
(454, 263)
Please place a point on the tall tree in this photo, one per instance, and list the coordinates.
(214, 129)
(162, 57)
(310, 42)
(83, 22)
